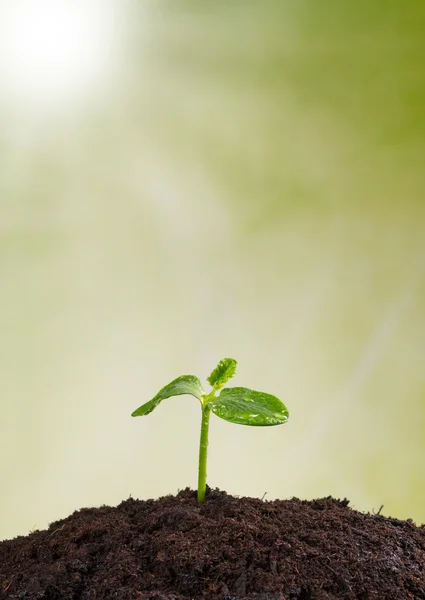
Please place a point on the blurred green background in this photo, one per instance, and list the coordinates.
(183, 181)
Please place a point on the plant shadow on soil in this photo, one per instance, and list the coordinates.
(227, 548)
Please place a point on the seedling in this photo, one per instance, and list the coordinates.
(237, 405)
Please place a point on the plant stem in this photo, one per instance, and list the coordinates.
(203, 449)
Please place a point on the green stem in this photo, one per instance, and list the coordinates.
(203, 449)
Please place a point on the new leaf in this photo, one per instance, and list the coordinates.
(224, 371)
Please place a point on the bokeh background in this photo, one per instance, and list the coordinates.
(182, 181)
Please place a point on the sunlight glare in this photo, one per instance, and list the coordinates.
(53, 51)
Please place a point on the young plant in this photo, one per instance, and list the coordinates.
(237, 405)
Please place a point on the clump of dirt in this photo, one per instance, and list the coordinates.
(227, 548)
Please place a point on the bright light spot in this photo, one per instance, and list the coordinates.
(54, 52)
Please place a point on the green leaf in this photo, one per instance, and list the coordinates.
(247, 407)
(224, 371)
(186, 384)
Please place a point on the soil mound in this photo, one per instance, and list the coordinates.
(227, 548)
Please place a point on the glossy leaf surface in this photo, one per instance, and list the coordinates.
(186, 384)
(248, 407)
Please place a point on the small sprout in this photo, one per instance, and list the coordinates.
(237, 405)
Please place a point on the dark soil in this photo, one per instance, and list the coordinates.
(227, 548)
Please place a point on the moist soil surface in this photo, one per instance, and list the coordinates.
(227, 548)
